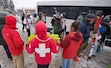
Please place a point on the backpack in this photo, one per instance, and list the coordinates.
(102, 29)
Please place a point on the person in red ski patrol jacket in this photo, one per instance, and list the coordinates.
(13, 40)
(71, 44)
(42, 46)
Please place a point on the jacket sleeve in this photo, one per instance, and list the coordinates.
(52, 21)
(107, 32)
(65, 42)
(82, 40)
(17, 40)
(30, 48)
(84, 33)
(55, 47)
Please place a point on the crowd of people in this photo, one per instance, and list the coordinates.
(87, 32)
(94, 29)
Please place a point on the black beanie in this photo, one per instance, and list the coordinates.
(90, 15)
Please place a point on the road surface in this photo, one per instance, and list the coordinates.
(100, 61)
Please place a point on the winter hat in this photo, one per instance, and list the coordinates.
(83, 13)
(90, 15)
(28, 14)
(54, 15)
(40, 13)
(106, 20)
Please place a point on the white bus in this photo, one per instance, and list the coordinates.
(73, 8)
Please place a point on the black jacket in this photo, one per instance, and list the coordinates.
(22, 18)
(107, 32)
(2, 23)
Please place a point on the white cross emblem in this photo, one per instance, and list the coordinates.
(42, 50)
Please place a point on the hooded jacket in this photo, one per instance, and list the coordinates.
(42, 45)
(85, 29)
(12, 37)
(71, 44)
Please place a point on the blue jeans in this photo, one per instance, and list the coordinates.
(66, 63)
(95, 50)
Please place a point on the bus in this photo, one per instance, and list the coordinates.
(73, 8)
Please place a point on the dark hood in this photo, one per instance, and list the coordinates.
(76, 35)
(10, 22)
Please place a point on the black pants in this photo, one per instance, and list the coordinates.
(43, 66)
(103, 38)
(7, 51)
(28, 30)
(24, 26)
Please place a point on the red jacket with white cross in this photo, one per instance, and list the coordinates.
(42, 46)
(43, 50)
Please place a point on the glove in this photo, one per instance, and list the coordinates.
(58, 41)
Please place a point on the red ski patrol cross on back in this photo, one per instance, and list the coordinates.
(42, 50)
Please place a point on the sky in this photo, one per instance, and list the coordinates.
(31, 3)
(24, 3)
(27, 3)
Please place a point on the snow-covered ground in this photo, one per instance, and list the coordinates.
(100, 61)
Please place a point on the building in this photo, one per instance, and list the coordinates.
(31, 11)
(6, 6)
(73, 8)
